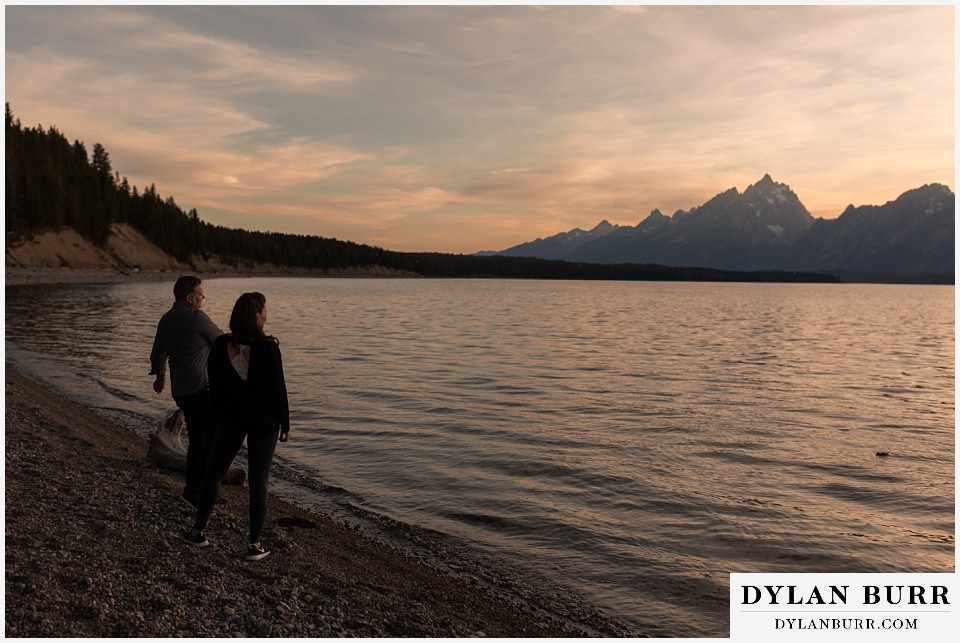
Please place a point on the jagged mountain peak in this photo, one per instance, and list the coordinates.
(927, 199)
(722, 200)
(778, 209)
(936, 193)
(767, 186)
(767, 180)
(655, 214)
(655, 219)
(604, 226)
(558, 245)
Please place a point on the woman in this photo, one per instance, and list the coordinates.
(250, 396)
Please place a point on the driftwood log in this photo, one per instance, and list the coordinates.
(166, 449)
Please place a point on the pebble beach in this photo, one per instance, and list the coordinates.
(93, 549)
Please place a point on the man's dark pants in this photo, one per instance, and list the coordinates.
(201, 421)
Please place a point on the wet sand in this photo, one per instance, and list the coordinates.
(93, 548)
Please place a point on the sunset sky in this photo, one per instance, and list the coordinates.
(467, 128)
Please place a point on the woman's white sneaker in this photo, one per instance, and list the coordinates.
(256, 552)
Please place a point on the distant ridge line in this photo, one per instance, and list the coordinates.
(910, 239)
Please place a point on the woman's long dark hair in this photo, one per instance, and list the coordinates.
(243, 319)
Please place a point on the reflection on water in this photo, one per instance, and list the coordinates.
(639, 441)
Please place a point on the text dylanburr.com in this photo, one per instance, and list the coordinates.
(844, 607)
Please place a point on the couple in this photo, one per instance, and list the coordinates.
(229, 387)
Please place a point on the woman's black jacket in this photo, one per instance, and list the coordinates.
(258, 405)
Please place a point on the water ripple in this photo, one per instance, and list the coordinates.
(637, 441)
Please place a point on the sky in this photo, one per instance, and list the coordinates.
(468, 128)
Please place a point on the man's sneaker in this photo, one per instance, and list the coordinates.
(196, 539)
(190, 502)
(256, 553)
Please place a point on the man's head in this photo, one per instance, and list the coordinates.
(189, 290)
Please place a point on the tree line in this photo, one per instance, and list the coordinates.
(52, 183)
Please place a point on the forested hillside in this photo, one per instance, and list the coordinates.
(52, 183)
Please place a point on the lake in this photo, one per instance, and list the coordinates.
(632, 443)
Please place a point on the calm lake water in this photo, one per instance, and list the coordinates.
(633, 443)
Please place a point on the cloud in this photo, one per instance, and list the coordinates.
(489, 121)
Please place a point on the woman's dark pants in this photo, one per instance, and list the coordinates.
(226, 445)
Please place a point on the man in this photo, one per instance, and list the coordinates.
(184, 337)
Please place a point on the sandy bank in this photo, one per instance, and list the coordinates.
(93, 549)
(64, 256)
(38, 276)
(41, 276)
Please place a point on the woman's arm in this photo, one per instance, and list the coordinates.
(279, 395)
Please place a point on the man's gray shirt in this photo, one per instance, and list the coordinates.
(184, 335)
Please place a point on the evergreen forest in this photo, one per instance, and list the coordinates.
(52, 183)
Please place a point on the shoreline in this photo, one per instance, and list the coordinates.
(21, 276)
(16, 276)
(93, 549)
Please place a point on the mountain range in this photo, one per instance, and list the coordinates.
(767, 228)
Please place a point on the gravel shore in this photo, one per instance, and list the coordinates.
(93, 549)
